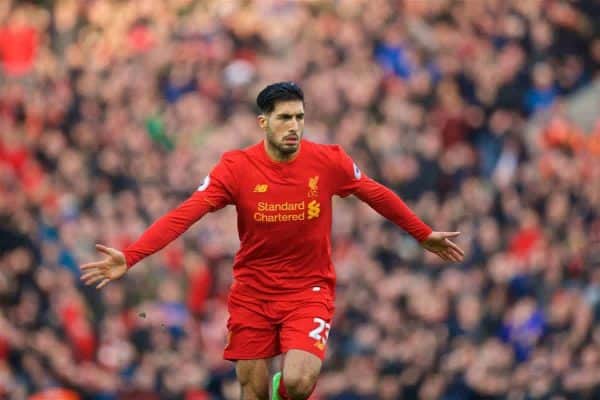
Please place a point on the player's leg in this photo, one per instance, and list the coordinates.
(253, 376)
(303, 339)
(252, 341)
(300, 373)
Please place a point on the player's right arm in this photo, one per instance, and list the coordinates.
(217, 191)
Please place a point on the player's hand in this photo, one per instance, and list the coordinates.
(439, 243)
(111, 268)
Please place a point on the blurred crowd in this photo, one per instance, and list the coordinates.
(112, 112)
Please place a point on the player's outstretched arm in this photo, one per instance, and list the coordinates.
(111, 268)
(440, 244)
(388, 204)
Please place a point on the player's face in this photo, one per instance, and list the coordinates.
(284, 128)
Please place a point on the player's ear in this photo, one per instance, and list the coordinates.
(262, 120)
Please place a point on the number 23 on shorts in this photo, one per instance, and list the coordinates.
(320, 333)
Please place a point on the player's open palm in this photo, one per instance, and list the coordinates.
(112, 267)
(439, 243)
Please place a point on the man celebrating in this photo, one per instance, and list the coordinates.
(282, 298)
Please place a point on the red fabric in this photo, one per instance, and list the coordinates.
(29, 172)
(3, 348)
(454, 131)
(55, 394)
(247, 55)
(196, 394)
(18, 47)
(200, 286)
(593, 143)
(524, 241)
(452, 125)
(560, 133)
(264, 328)
(79, 331)
(16, 157)
(284, 217)
(32, 177)
(141, 38)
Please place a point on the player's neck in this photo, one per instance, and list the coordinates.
(277, 156)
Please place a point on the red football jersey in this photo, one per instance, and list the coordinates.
(284, 217)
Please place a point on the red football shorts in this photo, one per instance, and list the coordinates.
(263, 329)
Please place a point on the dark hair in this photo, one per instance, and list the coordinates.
(280, 91)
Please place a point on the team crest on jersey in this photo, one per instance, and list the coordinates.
(313, 186)
(205, 184)
(357, 173)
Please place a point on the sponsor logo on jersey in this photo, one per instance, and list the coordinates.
(285, 206)
(205, 184)
(314, 209)
(261, 188)
(286, 211)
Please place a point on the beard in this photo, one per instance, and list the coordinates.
(280, 146)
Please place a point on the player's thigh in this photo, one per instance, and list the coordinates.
(253, 376)
(303, 339)
(300, 371)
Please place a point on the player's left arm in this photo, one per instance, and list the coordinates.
(389, 205)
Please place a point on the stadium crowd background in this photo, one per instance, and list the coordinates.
(112, 112)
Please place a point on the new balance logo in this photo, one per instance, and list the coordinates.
(261, 188)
